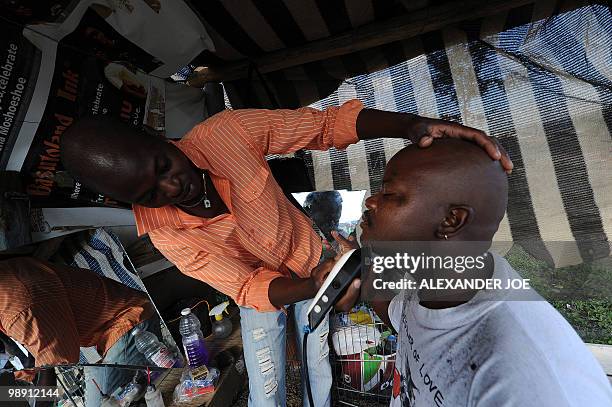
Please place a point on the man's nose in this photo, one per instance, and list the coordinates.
(370, 202)
(170, 186)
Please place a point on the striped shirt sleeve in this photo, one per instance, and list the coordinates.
(247, 285)
(284, 131)
(51, 340)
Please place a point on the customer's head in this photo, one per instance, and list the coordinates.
(450, 190)
(325, 209)
(128, 164)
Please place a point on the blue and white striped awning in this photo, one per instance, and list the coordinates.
(540, 82)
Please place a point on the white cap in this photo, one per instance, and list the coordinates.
(135, 331)
(186, 311)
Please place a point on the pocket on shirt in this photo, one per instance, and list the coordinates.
(257, 184)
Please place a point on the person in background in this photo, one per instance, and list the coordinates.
(54, 310)
(211, 206)
(462, 346)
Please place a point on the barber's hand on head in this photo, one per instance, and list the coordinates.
(424, 130)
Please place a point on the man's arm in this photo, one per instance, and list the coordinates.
(47, 330)
(256, 287)
(285, 290)
(284, 131)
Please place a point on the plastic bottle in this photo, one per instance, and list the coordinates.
(391, 345)
(131, 392)
(222, 328)
(154, 351)
(193, 339)
(153, 397)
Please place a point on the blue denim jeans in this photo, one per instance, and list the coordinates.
(264, 340)
(123, 352)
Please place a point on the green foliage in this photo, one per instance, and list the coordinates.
(582, 293)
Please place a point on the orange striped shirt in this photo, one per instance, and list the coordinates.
(53, 310)
(263, 236)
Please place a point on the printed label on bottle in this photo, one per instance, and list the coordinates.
(163, 358)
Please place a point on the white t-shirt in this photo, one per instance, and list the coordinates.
(494, 352)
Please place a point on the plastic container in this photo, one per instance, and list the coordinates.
(190, 388)
(154, 351)
(153, 397)
(193, 339)
(222, 327)
(133, 391)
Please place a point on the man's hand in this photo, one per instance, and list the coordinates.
(319, 273)
(424, 130)
(372, 123)
(350, 297)
(344, 244)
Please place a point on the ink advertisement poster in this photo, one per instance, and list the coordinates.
(63, 60)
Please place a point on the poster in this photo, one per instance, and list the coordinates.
(65, 59)
(36, 11)
(19, 61)
(97, 72)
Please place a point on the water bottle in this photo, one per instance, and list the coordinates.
(193, 339)
(154, 351)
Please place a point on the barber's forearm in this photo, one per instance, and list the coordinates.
(283, 291)
(372, 124)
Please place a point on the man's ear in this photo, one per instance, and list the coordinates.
(456, 219)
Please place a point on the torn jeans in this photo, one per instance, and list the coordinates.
(264, 338)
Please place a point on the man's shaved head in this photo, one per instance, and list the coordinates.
(128, 164)
(452, 188)
(93, 151)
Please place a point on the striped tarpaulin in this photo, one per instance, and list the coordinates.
(246, 29)
(101, 251)
(537, 78)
